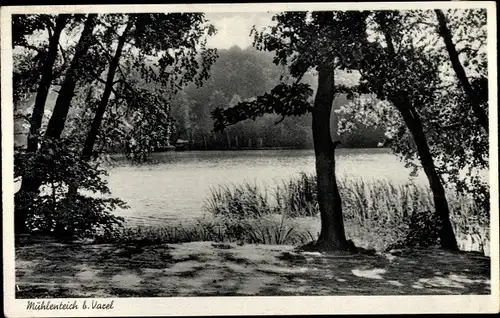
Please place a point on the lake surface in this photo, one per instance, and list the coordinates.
(175, 188)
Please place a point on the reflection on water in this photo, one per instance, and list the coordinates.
(175, 187)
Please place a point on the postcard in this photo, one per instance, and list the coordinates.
(252, 158)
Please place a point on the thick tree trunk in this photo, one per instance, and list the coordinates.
(101, 109)
(445, 33)
(414, 124)
(60, 112)
(332, 236)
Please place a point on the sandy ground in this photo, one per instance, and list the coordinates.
(49, 270)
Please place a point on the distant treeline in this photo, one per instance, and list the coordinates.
(289, 135)
(238, 75)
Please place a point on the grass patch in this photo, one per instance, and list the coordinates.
(270, 229)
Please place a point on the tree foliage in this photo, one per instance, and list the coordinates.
(151, 71)
(458, 144)
(54, 210)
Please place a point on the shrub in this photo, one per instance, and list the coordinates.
(422, 230)
(59, 209)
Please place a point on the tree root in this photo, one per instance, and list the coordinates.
(350, 247)
(321, 246)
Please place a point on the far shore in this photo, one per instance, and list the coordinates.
(122, 155)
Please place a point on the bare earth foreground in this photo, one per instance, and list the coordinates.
(52, 270)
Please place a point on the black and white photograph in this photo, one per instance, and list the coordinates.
(204, 155)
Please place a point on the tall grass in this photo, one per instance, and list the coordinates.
(238, 200)
(297, 196)
(373, 208)
(378, 199)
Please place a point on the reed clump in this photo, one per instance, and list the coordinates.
(374, 210)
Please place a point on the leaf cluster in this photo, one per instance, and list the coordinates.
(285, 100)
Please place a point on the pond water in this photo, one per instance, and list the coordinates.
(175, 187)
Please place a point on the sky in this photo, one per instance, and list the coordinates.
(233, 28)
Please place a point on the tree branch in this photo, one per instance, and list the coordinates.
(411, 25)
(281, 119)
(22, 116)
(471, 94)
(467, 49)
(32, 47)
(63, 53)
(446, 86)
(108, 55)
(49, 30)
(123, 79)
(99, 79)
(299, 78)
(455, 125)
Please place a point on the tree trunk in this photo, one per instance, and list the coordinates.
(66, 93)
(58, 118)
(445, 33)
(20, 215)
(101, 109)
(414, 124)
(31, 185)
(332, 236)
(45, 82)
